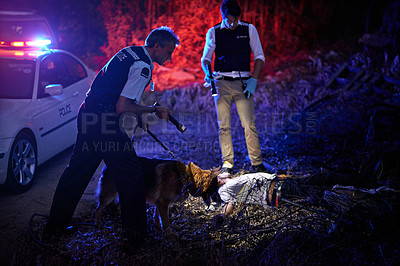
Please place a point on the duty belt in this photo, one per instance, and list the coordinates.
(99, 107)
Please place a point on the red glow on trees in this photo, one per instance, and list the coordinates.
(282, 27)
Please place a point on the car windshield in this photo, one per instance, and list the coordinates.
(23, 30)
(16, 78)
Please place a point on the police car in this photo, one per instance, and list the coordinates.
(40, 93)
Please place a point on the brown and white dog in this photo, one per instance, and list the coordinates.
(166, 182)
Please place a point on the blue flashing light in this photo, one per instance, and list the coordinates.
(39, 43)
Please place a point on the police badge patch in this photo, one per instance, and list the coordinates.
(145, 72)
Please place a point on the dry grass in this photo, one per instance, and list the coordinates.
(293, 233)
(353, 133)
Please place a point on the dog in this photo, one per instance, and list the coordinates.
(166, 182)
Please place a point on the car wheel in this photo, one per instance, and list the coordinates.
(22, 163)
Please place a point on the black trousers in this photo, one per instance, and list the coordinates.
(302, 186)
(101, 138)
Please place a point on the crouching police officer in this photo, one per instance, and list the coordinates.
(115, 91)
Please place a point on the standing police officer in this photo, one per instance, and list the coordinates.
(233, 41)
(115, 91)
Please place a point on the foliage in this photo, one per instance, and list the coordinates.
(283, 27)
(95, 29)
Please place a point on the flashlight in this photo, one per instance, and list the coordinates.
(213, 89)
(178, 125)
(247, 93)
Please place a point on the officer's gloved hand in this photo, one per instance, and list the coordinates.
(251, 84)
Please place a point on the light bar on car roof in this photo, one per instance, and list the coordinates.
(17, 44)
(39, 43)
(42, 43)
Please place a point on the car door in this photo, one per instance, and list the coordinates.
(59, 111)
(76, 84)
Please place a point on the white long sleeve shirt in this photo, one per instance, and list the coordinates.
(255, 46)
(249, 188)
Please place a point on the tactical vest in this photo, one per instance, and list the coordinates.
(110, 81)
(232, 51)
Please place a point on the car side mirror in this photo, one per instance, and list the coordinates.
(54, 89)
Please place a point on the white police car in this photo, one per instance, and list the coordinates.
(40, 94)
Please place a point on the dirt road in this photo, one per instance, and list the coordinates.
(16, 210)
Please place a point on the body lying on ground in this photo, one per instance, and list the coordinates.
(267, 189)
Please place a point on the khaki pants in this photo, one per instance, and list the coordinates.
(228, 91)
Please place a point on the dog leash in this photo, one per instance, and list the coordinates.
(162, 144)
(140, 124)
